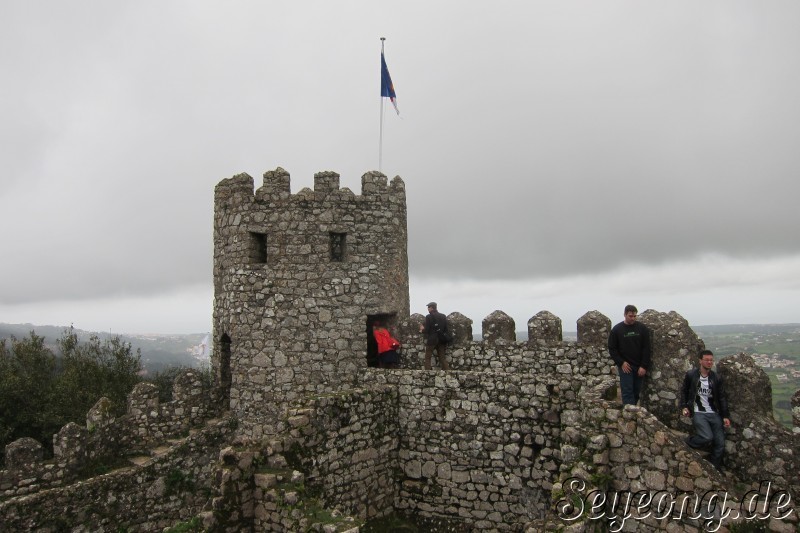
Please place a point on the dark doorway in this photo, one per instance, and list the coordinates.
(225, 370)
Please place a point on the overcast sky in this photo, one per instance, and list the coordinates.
(562, 156)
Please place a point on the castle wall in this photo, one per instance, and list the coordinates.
(480, 448)
(347, 446)
(491, 444)
(337, 458)
(297, 278)
(167, 489)
(106, 439)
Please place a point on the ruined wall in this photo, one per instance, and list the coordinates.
(756, 445)
(347, 446)
(480, 448)
(338, 458)
(77, 450)
(619, 452)
(297, 279)
(168, 488)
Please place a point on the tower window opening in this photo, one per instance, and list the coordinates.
(338, 246)
(258, 247)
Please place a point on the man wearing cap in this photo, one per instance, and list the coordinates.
(435, 325)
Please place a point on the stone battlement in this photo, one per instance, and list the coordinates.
(276, 187)
(106, 439)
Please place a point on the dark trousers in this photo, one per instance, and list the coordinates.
(440, 348)
(630, 385)
(708, 429)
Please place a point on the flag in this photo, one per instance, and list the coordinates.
(201, 350)
(387, 88)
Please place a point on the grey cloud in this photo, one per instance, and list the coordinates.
(540, 140)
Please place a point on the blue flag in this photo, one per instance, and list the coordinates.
(387, 88)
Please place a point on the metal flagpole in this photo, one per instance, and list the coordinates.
(380, 139)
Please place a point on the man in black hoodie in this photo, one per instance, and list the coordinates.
(629, 347)
(703, 398)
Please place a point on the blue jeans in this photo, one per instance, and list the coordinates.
(630, 385)
(708, 429)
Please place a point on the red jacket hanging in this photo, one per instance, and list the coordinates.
(385, 341)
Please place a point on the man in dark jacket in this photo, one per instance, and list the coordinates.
(703, 398)
(629, 347)
(434, 328)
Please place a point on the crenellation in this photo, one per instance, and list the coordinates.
(234, 190)
(100, 415)
(23, 453)
(544, 328)
(276, 186)
(69, 446)
(498, 327)
(373, 183)
(594, 328)
(326, 182)
(460, 326)
(146, 424)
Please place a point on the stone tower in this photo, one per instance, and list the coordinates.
(298, 281)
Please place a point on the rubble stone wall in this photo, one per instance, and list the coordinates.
(298, 278)
(104, 438)
(480, 448)
(169, 488)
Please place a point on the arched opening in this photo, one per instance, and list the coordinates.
(225, 370)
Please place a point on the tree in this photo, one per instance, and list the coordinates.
(28, 371)
(90, 370)
(40, 392)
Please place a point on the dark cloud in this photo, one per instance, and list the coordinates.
(540, 140)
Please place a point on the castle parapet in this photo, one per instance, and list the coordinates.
(373, 182)
(748, 382)
(499, 327)
(146, 423)
(69, 445)
(594, 328)
(544, 328)
(143, 404)
(22, 453)
(461, 328)
(276, 185)
(234, 190)
(326, 182)
(408, 330)
(99, 416)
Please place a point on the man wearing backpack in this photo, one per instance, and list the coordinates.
(436, 333)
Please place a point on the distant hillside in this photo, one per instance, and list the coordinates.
(158, 351)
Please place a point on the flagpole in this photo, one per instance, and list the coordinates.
(380, 138)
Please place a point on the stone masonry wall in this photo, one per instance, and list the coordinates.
(539, 355)
(104, 438)
(490, 448)
(338, 458)
(620, 452)
(347, 446)
(479, 448)
(296, 316)
(167, 489)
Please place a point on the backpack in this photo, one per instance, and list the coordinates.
(445, 337)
